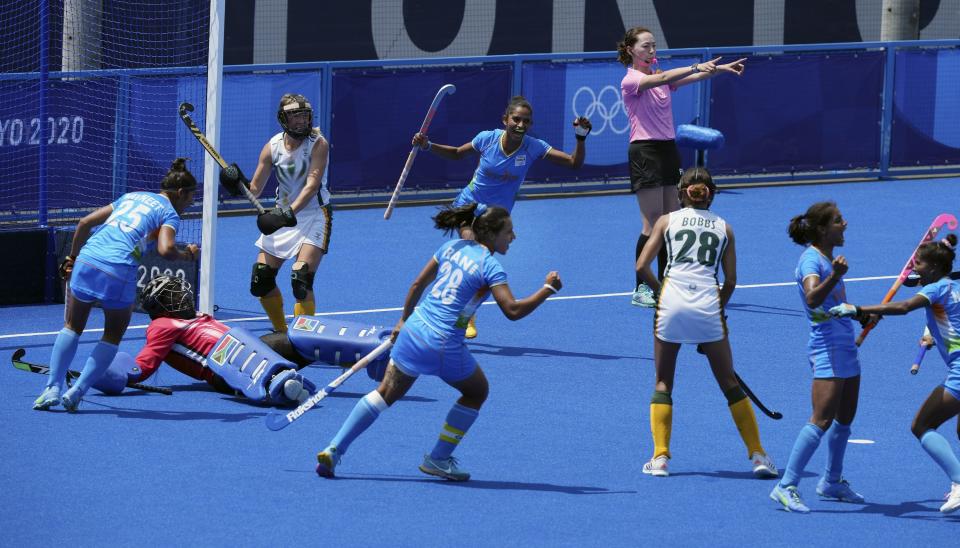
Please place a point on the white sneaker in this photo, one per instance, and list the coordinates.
(657, 466)
(953, 500)
(763, 467)
(643, 296)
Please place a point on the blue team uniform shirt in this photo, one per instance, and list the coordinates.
(432, 339)
(498, 176)
(943, 317)
(467, 270)
(116, 245)
(831, 347)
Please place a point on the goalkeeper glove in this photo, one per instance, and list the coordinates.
(231, 178)
(275, 219)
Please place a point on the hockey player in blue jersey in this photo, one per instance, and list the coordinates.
(102, 268)
(430, 337)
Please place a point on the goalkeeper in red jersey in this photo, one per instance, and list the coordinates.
(231, 359)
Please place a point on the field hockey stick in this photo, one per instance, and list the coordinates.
(185, 110)
(918, 359)
(18, 362)
(447, 89)
(775, 415)
(929, 235)
(278, 420)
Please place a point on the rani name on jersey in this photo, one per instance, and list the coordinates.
(465, 263)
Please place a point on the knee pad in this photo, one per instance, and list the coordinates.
(263, 280)
(302, 281)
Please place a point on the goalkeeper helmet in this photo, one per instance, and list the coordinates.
(168, 297)
(295, 104)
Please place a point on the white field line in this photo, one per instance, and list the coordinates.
(399, 309)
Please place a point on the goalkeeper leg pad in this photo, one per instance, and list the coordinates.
(263, 280)
(301, 279)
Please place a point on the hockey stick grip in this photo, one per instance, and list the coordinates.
(921, 352)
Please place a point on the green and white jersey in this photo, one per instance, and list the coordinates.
(291, 168)
(696, 240)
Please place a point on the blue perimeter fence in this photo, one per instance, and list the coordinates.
(811, 112)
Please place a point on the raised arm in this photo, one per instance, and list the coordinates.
(582, 127)
(443, 151)
(514, 308)
(816, 291)
(711, 69)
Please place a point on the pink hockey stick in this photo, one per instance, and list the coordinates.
(930, 234)
(447, 89)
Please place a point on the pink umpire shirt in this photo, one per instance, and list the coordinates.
(649, 111)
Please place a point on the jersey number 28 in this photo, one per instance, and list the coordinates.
(706, 251)
(447, 284)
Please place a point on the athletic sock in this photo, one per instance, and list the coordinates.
(459, 420)
(97, 363)
(745, 419)
(641, 241)
(364, 413)
(661, 422)
(273, 306)
(939, 450)
(807, 442)
(304, 308)
(837, 436)
(64, 349)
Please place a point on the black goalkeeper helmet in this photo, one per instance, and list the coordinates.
(168, 297)
(293, 103)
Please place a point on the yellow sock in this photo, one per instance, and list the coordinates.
(746, 421)
(304, 308)
(661, 422)
(273, 306)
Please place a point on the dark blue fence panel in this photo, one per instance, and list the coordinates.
(790, 113)
(926, 113)
(376, 113)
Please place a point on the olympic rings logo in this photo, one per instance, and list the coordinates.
(606, 106)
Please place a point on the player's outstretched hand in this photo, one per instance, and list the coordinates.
(845, 310)
(275, 219)
(231, 178)
(582, 127)
(421, 140)
(840, 266)
(735, 67)
(553, 280)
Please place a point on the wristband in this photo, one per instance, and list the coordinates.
(550, 287)
(695, 67)
(581, 137)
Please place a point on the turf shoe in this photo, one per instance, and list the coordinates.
(839, 490)
(953, 500)
(71, 400)
(657, 466)
(327, 461)
(763, 467)
(789, 497)
(50, 397)
(444, 468)
(471, 332)
(643, 296)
